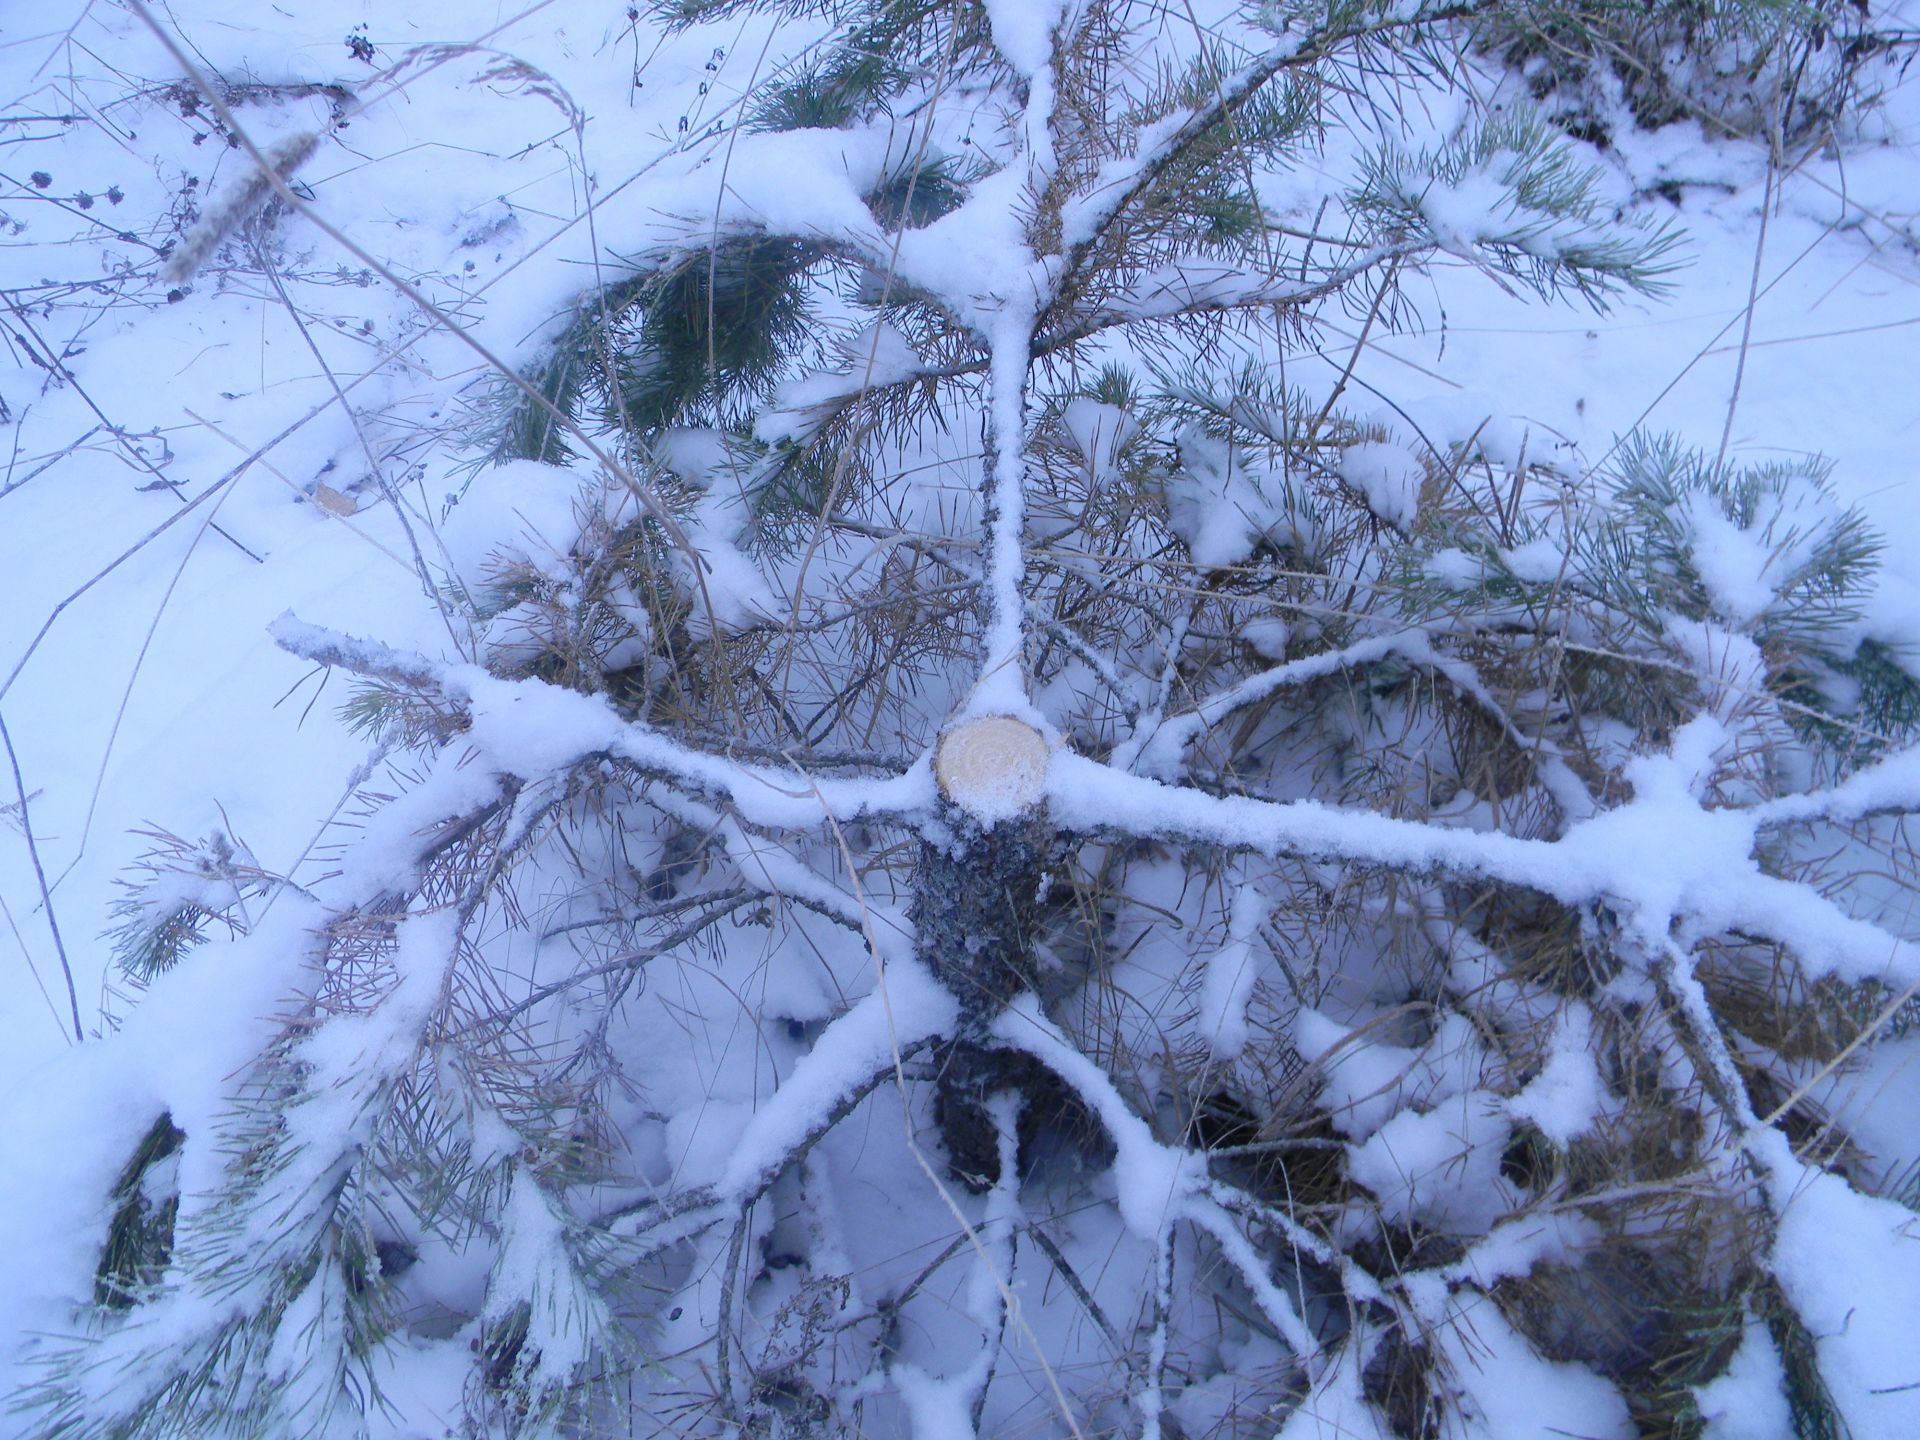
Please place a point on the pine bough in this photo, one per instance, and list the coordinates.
(1248, 916)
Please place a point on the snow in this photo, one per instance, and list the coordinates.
(1099, 432)
(1464, 212)
(937, 1405)
(803, 183)
(1707, 872)
(1748, 1401)
(1569, 1094)
(1746, 566)
(528, 728)
(879, 355)
(139, 675)
(1276, 1304)
(1156, 1181)
(517, 511)
(69, 1133)
(1220, 509)
(729, 592)
(1159, 750)
(1507, 1391)
(1268, 637)
(1513, 1247)
(1023, 30)
(1890, 784)
(1230, 974)
(976, 259)
(1388, 476)
(1850, 1266)
(1001, 687)
(1541, 561)
(1456, 569)
(1361, 1077)
(1442, 1167)
(565, 1319)
(908, 1007)
(1336, 1408)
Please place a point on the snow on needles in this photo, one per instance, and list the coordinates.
(1659, 858)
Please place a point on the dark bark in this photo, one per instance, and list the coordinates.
(974, 913)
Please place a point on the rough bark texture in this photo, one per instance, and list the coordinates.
(974, 914)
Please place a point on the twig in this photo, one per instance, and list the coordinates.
(40, 876)
(1746, 318)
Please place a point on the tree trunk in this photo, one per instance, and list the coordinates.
(977, 889)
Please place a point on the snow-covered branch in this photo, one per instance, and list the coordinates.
(533, 730)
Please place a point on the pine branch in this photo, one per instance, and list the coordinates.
(581, 731)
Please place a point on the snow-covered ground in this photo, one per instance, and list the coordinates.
(179, 468)
(144, 690)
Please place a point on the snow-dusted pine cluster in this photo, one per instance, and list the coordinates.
(990, 846)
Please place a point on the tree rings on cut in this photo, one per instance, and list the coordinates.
(994, 768)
